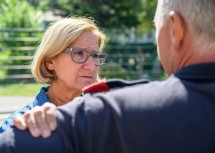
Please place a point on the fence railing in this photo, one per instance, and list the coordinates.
(128, 61)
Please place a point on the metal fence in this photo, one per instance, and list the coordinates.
(127, 61)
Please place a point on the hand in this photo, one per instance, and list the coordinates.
(40, 121)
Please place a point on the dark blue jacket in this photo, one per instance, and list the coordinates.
(172, 116)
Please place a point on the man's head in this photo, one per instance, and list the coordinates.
(185, 32)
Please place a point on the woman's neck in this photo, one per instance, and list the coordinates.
(60, 95)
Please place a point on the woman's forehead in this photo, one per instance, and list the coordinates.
(87, 39)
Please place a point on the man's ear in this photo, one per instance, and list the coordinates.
(49, 63)
(177, 30)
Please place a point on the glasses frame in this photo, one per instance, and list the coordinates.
(89, 53)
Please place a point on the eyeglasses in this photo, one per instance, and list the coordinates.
(81, 55)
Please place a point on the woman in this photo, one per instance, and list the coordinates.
(68, 59)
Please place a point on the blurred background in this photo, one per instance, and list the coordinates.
(127, 23)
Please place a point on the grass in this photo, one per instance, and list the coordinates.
(30, 89)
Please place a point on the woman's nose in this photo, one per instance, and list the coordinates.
(90, 64)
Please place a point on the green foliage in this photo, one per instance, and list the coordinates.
(18, 14)
(117, 13)
(20, 89)
(147, 15)
(114, 70)
(120, 13)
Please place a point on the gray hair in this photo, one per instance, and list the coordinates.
(198, 14)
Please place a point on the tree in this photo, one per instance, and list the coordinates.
(147, 15)
(117, 13)
(16, 14)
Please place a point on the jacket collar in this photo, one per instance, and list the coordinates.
(204, 71)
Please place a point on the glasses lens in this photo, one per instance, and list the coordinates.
(99, 58)
(79, 55)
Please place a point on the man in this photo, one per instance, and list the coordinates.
(171, 116)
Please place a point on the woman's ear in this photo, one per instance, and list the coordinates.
(177, 29)
(49, 63)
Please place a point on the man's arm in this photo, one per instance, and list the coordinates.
(16, 141)
(100, 123)
(83, 126)
(70, 135)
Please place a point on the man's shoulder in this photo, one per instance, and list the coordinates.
(112, 84)
(140, 91)
(141, 87)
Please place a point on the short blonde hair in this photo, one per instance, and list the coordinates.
(56, 38)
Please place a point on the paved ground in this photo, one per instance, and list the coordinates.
(9, 105)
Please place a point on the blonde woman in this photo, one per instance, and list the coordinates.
(68, 59)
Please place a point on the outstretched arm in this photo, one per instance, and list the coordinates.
(40, 120)
(64, 139)
(15, 141)
(87, 125)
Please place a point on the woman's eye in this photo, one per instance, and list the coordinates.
(79, 53)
